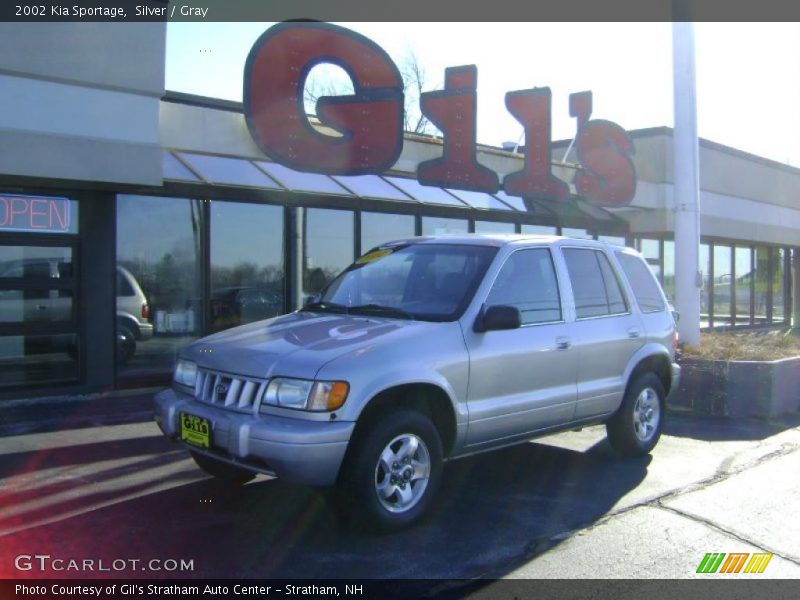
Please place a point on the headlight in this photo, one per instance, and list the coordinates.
(185, 373)
(306, 395)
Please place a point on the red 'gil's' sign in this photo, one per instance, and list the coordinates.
(371, 121)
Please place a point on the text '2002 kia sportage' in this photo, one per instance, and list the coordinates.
(424, 350)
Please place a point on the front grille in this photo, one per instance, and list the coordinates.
(229, 391)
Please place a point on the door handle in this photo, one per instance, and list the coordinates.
(562, 343)
(41, 307)
(633, 332)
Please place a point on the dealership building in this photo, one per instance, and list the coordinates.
(134, 220)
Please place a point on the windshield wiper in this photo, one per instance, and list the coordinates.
(389, 311)
(326, 307)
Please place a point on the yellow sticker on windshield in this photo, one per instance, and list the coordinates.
(373, 256)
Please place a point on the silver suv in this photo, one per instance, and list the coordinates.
(424, 350)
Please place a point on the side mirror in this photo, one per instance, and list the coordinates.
(311, 299)
(496, 318)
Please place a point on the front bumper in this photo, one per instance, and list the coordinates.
(307, 452)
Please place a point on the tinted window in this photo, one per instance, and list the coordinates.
(378, 228)
(616, 300)
(594, 284)
(329, 247)
(527, 281)
(642, 282)
(158, 244)
(424, 281)
(246, 263)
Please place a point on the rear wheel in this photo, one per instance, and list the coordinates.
(393, 471)
(221, 470)
(636, 427)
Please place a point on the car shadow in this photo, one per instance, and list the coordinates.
(493, 509)
(724, 429)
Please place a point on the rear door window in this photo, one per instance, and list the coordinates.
(595, 286)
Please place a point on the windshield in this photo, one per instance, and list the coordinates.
(432, 282)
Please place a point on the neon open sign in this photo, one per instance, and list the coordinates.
(41, 214)
(370, 121)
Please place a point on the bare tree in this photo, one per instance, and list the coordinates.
(335, 82)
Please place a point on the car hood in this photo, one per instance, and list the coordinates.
(297, 344)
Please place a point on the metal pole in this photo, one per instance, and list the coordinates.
(686, 185)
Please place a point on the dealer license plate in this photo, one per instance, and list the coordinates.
(195, 430)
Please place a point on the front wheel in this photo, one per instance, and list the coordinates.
(394, 471)
(222, 471)
(636, 427)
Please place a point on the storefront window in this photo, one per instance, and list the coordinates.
(539, 229)
(744, 280)
(493, 227)
(158, 256)
(329, 246)
(669, 269)
(778, 281)
(576, 233)
(704, 258)
(38, 317)
(36, 359)
(441, 226)
(247, 280)
(761, 293)
(723, 279)
(378, 228)
(612, 239)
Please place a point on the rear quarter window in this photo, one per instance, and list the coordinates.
(643, 282)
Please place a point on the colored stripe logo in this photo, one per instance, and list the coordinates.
(735, 562)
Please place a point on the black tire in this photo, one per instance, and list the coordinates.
(222, 471)
(364, 472)
(636, 427)
(126, 344)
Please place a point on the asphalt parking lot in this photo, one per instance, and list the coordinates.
(564, 507)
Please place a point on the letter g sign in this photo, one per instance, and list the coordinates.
(370, 121)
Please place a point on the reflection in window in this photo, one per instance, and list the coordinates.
(612, 239)
(595, 286)
(441, 226)
(379, 228)
(761, 293)
(704, 258)
(35, 359)
(649, 249)
(571, 232)
(527, 281)
(648, 296)
(539, 229)
(158, 248)
(247, 282)
(723, 278)
(744, 279)
(493, 227)
(669, 269)
(329, 246)
(778, 284)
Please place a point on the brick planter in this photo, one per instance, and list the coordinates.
(739, 388)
